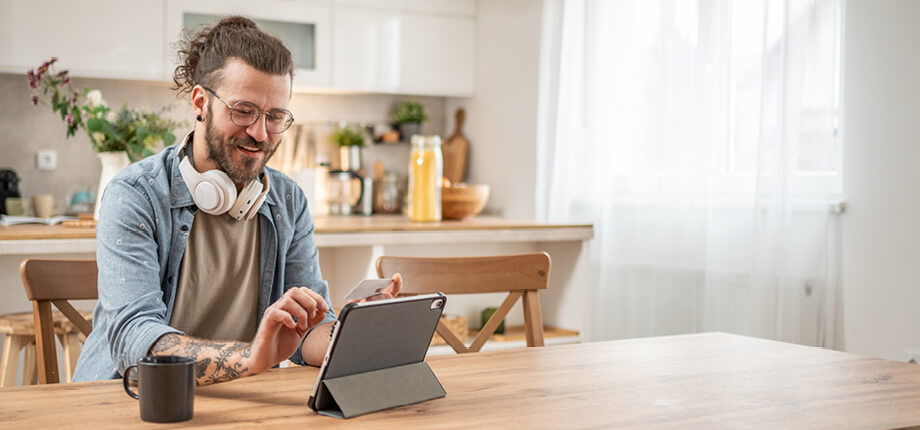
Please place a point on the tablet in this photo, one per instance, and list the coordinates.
(374, 340)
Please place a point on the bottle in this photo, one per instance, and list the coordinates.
(425, 170)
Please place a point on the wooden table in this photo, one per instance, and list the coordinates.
(706, 380)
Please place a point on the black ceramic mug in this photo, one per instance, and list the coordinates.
(166, 386)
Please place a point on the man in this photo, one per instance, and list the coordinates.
(202, 250)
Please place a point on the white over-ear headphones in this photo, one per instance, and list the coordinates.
(215, 193)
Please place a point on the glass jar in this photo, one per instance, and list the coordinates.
(386, 195)
(425, 170)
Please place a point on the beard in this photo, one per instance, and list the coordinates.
(247, 169)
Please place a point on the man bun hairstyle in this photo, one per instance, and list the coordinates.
(202, 55)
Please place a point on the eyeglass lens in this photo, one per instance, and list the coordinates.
(245, 114)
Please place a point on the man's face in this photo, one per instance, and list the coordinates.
(242, 152)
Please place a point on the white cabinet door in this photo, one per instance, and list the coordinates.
(91, 38)
(465, 8)
(389, 51)
(303, 26)
(366, 43)
(438, 55)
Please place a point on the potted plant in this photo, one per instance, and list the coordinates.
(409, 116)
(119, 137)
(350, 141)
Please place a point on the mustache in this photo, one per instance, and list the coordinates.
(249, 141)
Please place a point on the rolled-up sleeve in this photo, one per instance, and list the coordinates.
(130, 292)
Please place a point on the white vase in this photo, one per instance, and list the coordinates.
(112, 163)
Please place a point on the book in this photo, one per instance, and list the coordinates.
(8, 220)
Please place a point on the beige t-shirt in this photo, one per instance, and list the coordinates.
(218, 289)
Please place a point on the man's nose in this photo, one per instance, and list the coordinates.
(258, 129)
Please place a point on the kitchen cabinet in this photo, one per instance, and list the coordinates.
(396, 51)
(465, 8)
(303, 26)
(420, 47)
(92, 38)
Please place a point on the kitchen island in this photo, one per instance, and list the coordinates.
(350, 245)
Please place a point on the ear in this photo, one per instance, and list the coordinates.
(200, 101)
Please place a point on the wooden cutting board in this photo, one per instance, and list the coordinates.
(455, 152)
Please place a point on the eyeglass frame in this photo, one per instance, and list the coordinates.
(261, 112)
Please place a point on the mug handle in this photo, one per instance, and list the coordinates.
(124, 380)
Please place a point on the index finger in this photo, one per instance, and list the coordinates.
(303, 295)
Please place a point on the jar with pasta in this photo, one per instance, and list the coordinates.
(425, 171)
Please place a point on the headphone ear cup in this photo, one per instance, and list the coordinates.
(216, 193)
(248, 196)
(260, 198)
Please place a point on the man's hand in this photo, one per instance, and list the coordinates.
(389, 292)
(284, 325)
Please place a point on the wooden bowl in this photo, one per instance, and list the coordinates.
(463, 201)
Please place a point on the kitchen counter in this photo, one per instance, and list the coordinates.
(350, 245)
(330, 231)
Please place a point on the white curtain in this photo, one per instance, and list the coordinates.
(699, 137)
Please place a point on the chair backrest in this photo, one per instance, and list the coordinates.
(521, 276)
(56, 281)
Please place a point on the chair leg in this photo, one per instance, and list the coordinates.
(12, 345)
(533, 319)
(71, 348)
(29, 365)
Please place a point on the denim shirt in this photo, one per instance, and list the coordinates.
(144, 222)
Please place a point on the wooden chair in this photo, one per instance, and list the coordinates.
(56, 281)
(521, 276)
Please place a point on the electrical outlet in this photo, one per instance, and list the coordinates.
(46, 159)
(912, 355)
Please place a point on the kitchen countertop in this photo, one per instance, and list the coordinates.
(330, 231)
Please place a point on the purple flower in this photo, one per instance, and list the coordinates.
(69, 119)
(66, 81)
(34, 100)
(53, 60)
(33, 82)
(74, 99)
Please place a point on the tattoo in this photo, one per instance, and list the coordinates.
(215, 361)
(201, 366)
(167, 342)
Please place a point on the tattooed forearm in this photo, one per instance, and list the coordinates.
(216, 361)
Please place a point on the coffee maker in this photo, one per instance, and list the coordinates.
(9, 187)
(349, 192)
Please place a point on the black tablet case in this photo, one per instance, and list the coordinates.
(378, 360)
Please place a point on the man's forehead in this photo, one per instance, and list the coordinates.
(242, 82)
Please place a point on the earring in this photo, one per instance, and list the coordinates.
(198, 118)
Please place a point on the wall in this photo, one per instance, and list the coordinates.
(28, 129)
(881, 232)
(501, 119)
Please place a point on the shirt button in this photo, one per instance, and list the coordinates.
(184, 228)
(170, 279)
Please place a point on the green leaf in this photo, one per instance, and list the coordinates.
(168, 139)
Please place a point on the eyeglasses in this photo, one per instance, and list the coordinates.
(244, 114)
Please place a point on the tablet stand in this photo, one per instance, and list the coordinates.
(377, 390)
